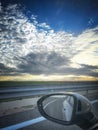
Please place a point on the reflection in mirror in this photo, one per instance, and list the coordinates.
(59, 107)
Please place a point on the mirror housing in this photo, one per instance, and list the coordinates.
(81, 109)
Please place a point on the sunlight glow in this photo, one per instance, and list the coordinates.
(28, 77)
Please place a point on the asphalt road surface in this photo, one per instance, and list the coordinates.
(58, 107)
(32, 114)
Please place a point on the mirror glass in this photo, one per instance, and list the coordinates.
(59, 107)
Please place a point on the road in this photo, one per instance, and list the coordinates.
(58, 107)
(32, 114)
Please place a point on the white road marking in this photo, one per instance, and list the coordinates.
(24, 124)
(95, 101)
(50, 103)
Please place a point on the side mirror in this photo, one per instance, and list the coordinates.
(65, 108)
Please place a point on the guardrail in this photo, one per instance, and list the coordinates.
(38, 91)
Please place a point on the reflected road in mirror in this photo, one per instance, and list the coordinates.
(59, 107)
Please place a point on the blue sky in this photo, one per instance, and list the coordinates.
(49, 40)
(69, 15)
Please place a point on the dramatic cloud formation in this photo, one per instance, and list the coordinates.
(27, 46)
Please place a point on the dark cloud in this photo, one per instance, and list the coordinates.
(42, 63)
(85, 70)
(4, 70)
(49, 65)
(89, 70)
(54, 64)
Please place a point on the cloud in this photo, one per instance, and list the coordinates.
(91, 22)
(27, 46)
(42, 63)
(87, 70)
(4, 70)
(0, 7)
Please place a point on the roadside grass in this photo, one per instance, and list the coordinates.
(26, 83)
(33, 83)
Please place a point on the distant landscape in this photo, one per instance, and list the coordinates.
(33, 83)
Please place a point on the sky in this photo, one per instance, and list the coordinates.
(49, 40)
